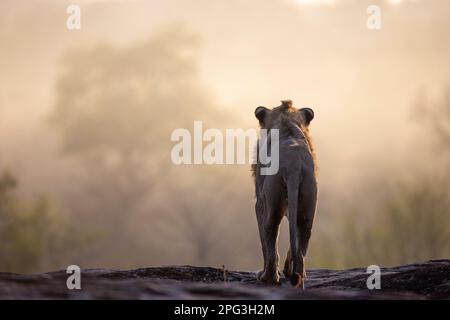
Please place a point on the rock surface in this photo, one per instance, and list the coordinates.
(429, 280)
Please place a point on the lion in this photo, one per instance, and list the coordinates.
(291, 192)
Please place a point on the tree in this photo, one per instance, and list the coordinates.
(410, 221)
(115, 111)
(33, 236)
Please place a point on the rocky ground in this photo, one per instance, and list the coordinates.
(429, 280)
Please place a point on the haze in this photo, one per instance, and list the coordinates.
(371, 90)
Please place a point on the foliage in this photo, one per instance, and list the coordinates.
(33, 236)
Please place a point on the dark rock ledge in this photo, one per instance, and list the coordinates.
(429, 280)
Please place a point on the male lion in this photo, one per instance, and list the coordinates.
(292, 189)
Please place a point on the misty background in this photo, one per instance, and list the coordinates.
(86, 117)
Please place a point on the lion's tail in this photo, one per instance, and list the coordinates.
(293, 185)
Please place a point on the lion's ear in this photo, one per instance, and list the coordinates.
(308, 114)
(261, 113)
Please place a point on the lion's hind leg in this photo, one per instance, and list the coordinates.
(287, 270)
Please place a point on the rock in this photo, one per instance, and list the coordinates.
(429, 280)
